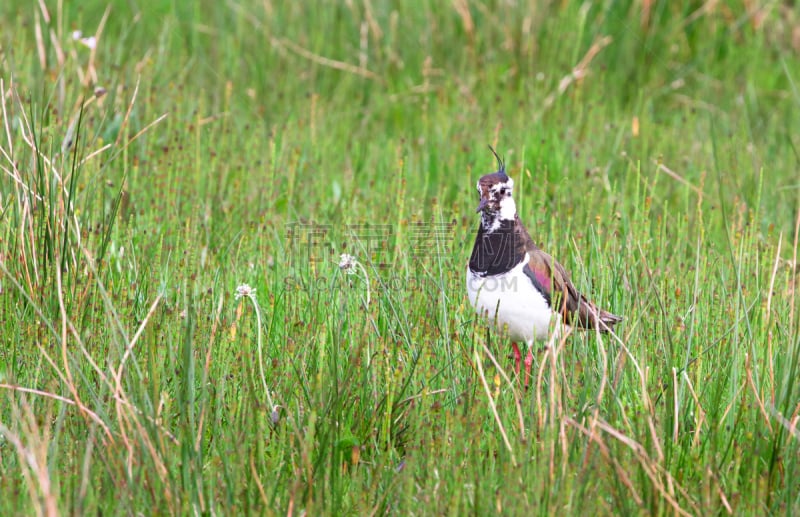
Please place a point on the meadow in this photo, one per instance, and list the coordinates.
(179, 180)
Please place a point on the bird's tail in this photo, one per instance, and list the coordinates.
(607, 320)
(592, 317)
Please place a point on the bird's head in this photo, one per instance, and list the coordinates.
(495, 190)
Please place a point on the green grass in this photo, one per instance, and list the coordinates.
(253, 142)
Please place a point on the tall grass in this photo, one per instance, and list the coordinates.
(194, 148)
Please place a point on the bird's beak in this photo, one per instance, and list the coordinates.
(482, 205)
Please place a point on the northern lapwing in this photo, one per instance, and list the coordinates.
(514, 283)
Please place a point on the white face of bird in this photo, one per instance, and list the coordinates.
(497, 203)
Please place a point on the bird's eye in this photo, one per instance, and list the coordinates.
(503, 191)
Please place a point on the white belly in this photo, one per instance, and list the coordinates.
(511, 299)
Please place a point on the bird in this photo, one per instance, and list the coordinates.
(517, 285)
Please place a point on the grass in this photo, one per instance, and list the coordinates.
(202, 146)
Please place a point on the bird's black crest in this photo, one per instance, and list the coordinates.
(500, 163)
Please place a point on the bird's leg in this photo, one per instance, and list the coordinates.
(517, 357)
(528, 364)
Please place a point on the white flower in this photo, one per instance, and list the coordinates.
(242, 291)
(347, 263)
(90, 42)
(76, 35)
(351, 266)
(245, 290)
